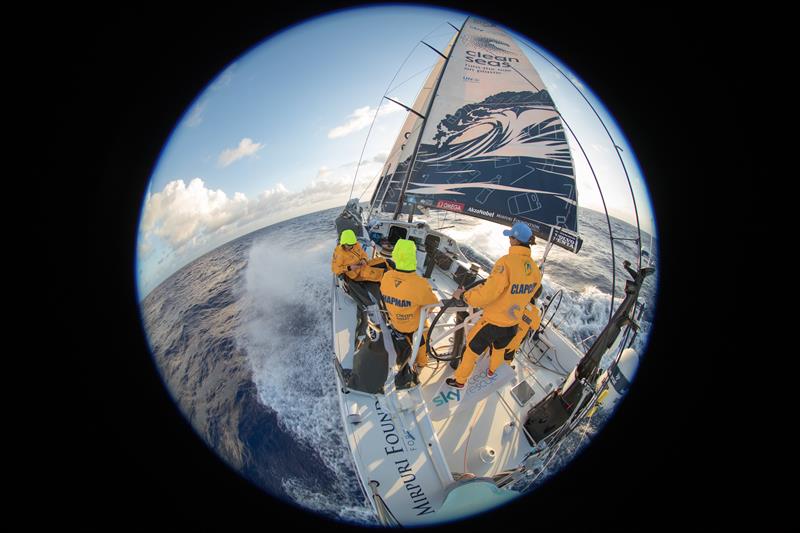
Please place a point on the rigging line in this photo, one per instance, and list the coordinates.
(426, 69)
(602, 198)
(529, 355)
(560, 436)
(562, 372)
(550, 457)
(587, 427)
(415, 153)
(363, 148)
(388, 157)
(367, 187)
(380, 203)
(617, 149)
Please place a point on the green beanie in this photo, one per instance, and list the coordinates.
(405, 255)
(348, 237)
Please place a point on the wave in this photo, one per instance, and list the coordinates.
(286, 333)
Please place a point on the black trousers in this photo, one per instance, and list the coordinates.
(359, 290)
(496, 336)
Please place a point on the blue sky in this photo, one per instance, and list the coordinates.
(279, 132)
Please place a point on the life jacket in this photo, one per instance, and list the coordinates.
(504, 295)
(343, 258)
(404, 293)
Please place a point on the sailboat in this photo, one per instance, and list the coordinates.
(483, 139)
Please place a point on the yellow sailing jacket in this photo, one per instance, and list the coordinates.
(504, 295)
(343, 258)
(404, 293)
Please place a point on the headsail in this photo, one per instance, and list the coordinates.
(493, 145)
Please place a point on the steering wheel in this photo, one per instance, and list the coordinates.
(455, 354)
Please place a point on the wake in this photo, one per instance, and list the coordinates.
(286, 332)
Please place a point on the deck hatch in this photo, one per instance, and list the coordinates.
(522, 393)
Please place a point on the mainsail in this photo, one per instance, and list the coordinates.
(492, 146)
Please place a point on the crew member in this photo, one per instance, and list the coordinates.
(503, 297)
(404, 293)
(350, 259)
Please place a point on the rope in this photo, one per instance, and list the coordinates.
(599, 190)
(388, 88)
(617, 149)
(426, 69)
(391, 154)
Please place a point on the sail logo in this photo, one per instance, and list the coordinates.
(488, 59)
(443, 398)
(450, 206)
(566, 241)
(488, 43)
(482, 212)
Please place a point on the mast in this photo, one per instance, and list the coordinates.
(401, 198)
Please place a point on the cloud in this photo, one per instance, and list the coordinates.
(183, 213)
(186, 216)
(323, 173)
(184, 221)
(246, 148)
(360, 119)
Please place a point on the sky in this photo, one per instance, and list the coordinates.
(280, 132)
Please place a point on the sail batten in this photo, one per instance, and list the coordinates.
(493, 145)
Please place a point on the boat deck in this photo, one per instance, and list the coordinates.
(410, 446)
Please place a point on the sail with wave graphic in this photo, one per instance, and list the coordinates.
(492, 144)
